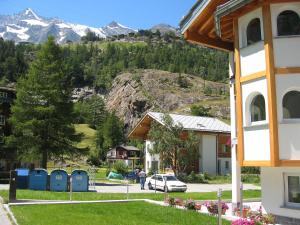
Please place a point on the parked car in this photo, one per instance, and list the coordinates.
(165, 182)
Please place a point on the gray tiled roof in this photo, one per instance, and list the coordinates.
(196, 123)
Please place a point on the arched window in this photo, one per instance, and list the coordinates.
(258, 109)
(291, 105)
(253, 31)
(288, 23)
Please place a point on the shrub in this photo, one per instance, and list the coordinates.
(120, 167)
(251, 170)
(251, 178)
(93, 160)
(193, 178)
(170, 201)
(208, 91)
(199, 110)
(212, 207)
(190, 205)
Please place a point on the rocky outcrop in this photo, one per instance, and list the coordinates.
(134, 94)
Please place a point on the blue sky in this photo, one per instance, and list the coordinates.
(132, 13)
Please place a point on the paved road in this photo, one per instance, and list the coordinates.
(135, 188)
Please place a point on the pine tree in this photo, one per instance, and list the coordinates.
(43, 111)
(110, 134)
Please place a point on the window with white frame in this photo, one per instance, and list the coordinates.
(290, 105)
(253, 31)
(288, 23)
(258, 108)
(292, 189)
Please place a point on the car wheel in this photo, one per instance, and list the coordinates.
(166, 189)
(150, 186)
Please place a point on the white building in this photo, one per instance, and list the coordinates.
(214, 149)
(263, 38)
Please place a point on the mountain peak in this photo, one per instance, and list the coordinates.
(113, 24)
(29, 13)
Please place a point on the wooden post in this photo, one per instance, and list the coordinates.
(13, 186)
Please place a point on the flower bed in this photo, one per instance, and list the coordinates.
(255, 218)
(212, 207)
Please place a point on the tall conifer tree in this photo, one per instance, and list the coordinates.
(43, 111)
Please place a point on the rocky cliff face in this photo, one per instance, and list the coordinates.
(134, 94)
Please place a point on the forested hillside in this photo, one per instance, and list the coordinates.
(97, 62)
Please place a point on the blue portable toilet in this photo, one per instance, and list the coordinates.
(38, 179)
(58, 180)
(80, 181)
(22, 178)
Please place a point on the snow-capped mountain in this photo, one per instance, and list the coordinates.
(164, 28)
(27, 26)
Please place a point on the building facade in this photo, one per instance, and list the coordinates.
(129, 154)
(214, 148)
(263, 39)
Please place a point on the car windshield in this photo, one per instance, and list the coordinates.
(170, 178)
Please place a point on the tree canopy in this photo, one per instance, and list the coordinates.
(42, 114)
(174, 147)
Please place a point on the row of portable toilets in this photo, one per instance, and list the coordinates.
(57, 180)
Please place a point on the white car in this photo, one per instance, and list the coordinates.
(165, 182)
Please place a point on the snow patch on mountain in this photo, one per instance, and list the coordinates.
(28, 26)
(36, 22)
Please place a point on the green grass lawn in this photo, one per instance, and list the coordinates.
(89, 136)
(133, 213)
(47, 195)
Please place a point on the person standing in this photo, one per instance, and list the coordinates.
(142, 176)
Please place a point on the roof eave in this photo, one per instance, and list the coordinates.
(225, 9)
(192, 15)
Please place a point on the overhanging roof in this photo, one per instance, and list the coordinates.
(189, 123)
(210, 22)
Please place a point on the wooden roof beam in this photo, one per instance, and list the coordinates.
(207, 41)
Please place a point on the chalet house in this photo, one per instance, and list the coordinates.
(130, 155)
(214, 153)
(263, 41)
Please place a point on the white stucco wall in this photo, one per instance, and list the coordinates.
(287, 51)
(209, 154)
(222, 164)
(256, 135)
(150, 157)
(273, 197)
(252, 56)
(288, 130)
(253, 59)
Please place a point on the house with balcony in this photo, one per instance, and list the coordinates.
(129, 154)
(214, 148)
(263, 41)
